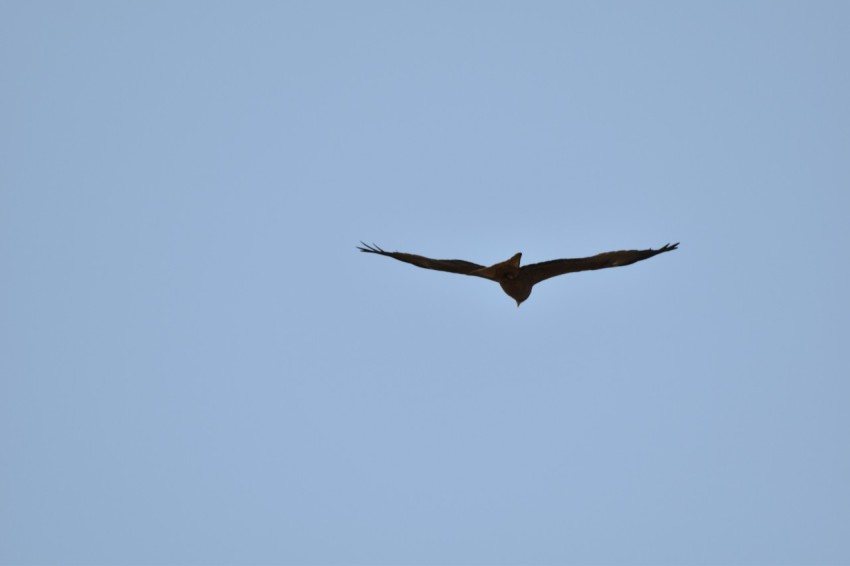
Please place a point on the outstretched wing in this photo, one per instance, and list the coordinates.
(450, 265)
(537, 272)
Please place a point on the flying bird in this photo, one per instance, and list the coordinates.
(517, 281)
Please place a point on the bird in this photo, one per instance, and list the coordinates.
(517, 281)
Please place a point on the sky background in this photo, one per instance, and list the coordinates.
(198, 367)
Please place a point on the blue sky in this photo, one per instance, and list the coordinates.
(199, 368)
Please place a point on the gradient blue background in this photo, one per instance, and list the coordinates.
(199, 368)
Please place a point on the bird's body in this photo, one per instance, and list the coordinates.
(515, 280)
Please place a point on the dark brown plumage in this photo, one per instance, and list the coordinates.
(517, 281)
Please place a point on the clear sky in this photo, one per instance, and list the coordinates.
(199, 368)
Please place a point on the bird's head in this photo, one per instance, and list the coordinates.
(517, 290)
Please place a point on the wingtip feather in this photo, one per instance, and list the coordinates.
(372, 249)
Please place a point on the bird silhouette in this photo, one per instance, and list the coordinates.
(517, 281)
